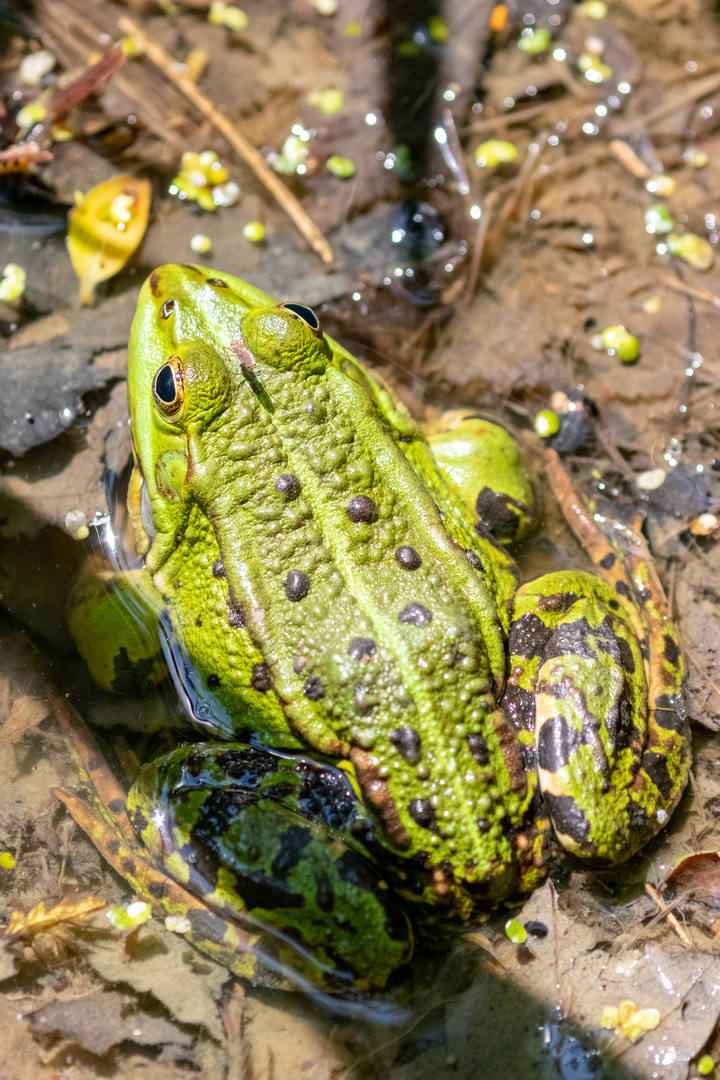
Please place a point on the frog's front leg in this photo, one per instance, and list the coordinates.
(596, 686)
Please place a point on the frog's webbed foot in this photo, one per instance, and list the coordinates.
(596, 677)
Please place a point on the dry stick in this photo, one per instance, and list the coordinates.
(699, 89)
(63, 23)
(703, 672)
(689, 290)
(239, 143)
(672, 919)
(510, 118)
(486, 206)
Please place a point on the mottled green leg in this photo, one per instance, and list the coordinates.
(263, 856)
(277, 842)
(595, 686)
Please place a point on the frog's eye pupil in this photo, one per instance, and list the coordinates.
(165, 385)
(168, 387)
(305, 313)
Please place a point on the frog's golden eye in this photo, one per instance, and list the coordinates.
(304, 314)
(169, 387)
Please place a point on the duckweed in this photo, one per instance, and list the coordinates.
(343, 168)
(546, 423)
(495, 152)
(13, 282)
(228, 15)
(534, 41)
(692, 249)
(204, 180)
(516, 931)
(658, 219)
(328, 101)
(662, 185)
(200, 244)
(131, 917)
(254, 231)
(621, 343)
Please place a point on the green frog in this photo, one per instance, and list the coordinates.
(398, 728)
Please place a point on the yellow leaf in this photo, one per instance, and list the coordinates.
(39, 918)
(100, 240)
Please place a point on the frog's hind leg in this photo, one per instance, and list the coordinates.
(595, 682)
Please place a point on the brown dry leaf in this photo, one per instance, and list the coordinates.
(39, 918)
(102, 1020)
(698, 874)
(26, 713)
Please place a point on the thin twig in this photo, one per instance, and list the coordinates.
(162, 60)
(518, 116)
(486, 207)
(689, 290)
(698, 89)
(665, 910)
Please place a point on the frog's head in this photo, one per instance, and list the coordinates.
(203, 346)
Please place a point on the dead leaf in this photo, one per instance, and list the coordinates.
(26, 714)
(187, 984)
(39, 918)
(699, 875)
(102, 1020)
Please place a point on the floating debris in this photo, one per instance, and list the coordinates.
(662, 185)
(593, 68)
(30, 115)
(628, 1020)
(13, 282)
(696, 157)
(516, 931)
(618, 341)
(704, 525)
(594, 9)
(200, 244)
(254, 231)
(130, 917)
(34, 67)
(204, 180)
(534, 41)
(658, 219)
(291, 158)
(228, 15)
(495, 152)
(343, 168)
(546, 423)
(328, 101)
(692, 249)
(650, 480)
(106, 227)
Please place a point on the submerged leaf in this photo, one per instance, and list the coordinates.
(105, 228)
(39, 918)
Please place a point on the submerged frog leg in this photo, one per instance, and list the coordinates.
(280, 842)
(595, 685)
(105, 820)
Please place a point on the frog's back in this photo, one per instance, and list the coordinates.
(371, 630)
